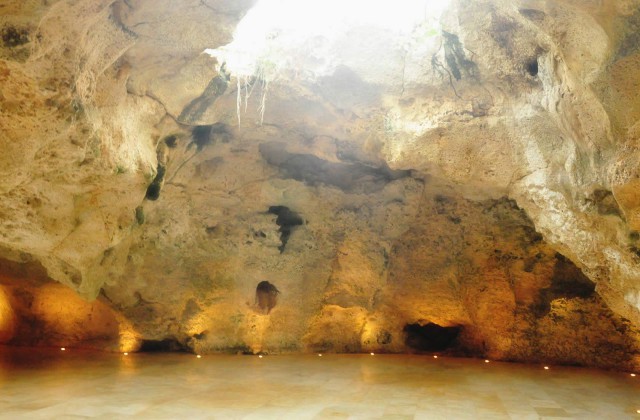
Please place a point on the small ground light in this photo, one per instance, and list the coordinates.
(62, 349)
(373, 354)
(486, 360)
(435, 356)
(125, 353)
(546, 368)
(199, 356)
(260, 356)
(319, 354)
(632, 374)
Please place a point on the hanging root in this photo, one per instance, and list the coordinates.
(238, 99)
(246, 93)
(248, 84)
(263, 102)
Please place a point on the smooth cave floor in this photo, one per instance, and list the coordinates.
(52, 384)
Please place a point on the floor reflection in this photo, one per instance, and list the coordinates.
(49, 383)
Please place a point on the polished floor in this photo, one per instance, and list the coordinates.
(74, 384)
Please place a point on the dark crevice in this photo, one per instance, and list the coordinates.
(505, 212)
(528, 233)
(28, 269)
(604, 203)
(384, 338)
(140, 215)
(287, 220)
(266, 296)
(201, 136)
(431, 337)
(201, 335)
(153, 191)
(568, 281)
(532, 67)
(171, 141)
(165, 345)
(456, 59)
(204, 135)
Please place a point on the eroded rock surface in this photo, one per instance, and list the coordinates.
(481, 177)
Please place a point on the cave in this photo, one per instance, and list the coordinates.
(430, 337)
(160, 346)
(309, 209)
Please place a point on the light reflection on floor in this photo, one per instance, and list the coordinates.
(51, 384)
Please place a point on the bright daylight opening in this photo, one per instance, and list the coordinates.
(275, 32)
(305, 40)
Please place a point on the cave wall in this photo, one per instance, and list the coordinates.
(37, 311)
(486, 187)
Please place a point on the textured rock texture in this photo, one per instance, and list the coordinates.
(480, 174)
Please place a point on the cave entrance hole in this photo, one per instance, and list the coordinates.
(431, 337)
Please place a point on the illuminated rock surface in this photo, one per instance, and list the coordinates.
(482, 176)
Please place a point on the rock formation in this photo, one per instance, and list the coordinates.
(471, 185)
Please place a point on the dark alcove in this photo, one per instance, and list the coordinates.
(166, 345)
(430, 337)
(266, 296)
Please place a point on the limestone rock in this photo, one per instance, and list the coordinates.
(469, 181)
